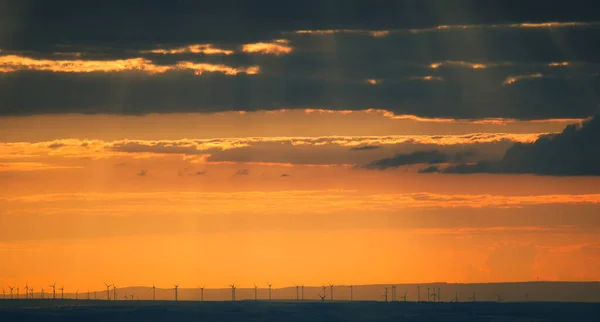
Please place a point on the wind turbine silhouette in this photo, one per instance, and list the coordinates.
(232, 291)
(62, 292)
(77, 294)
(302, 292)
(385, 295)
(26, 291)
(3, 293)
(472, 298)
(500, 299)
(418, 293)
(255, 292)
(269, 290)
(434, 295)
(11, 291)
(428, 295)
(201, 293)
(107, 291)
(114, 291)
(88, 294)
(153, 288)
(17, 291)
(404, 297)
(324, 294)
(176, 290)
(439, 295)
(331, 291)
(297, 289)
(393, 287)
(456, 298)
(31, 291)
(53, 291)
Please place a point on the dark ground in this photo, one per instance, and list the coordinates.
(91, 310)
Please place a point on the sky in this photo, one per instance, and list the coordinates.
(351, 142)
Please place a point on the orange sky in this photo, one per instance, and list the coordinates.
(220, 198)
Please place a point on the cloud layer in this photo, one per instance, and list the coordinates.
(493, 60)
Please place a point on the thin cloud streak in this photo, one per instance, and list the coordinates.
(444, 28)
(14, 63)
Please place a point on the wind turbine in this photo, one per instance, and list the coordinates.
(351, 292)
(439, 295)
(269, 290)
(77, 294)
(297, 294)
(472, 298)
(255, 292)
(132, 296)
(302, 292)
(42, 293)
(331, 291)
(31, 292)
(418, 293)
(176, 288)
(3, 293)
(153, 288)
(201, 293)
(17, 291)
(385, 295)
(232, 291)
(324, 294)
(11, 291)
(53, 291)
(62, 292)
(434, 295)
(26, 291)
(404, 297)
(393, 293)
(88, 294)
(500, 299)
(456, 298)
(107, 291)
(114, 291)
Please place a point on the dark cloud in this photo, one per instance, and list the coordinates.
(328, 71)
(56, 146)
(575, 151)
(419, 157)
(36, 23)
(431, 169)
(365, 148)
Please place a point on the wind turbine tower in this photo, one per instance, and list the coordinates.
(351, 292)
(77, 294)
(302, 292)
(26, 291)
(331, 291)
(255, 292)
(232, 291)
(428, 296)
(176, 290)
(439, 296)
(62, 292)
(297, 293)
(385, 295)
(418, 293)
(153, 288)
(11, 291)
(114, 292)
(201, 293)
(42, 293)
(270, 289)
(107, 291)
(53, 291)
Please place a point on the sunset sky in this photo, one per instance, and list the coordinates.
(352, 142)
